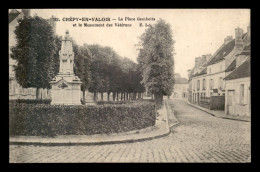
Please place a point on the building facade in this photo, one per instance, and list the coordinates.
(206, 79)
(180, 89)
(238, 86)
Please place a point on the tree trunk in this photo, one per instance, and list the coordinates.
(117, 97)
(95, 96)
(108, 96)
(127, 96)
(124, 95)
(37, 93)
(121, 96)
(114, 96)
(101, 96)
(48, 94)
(158, 100)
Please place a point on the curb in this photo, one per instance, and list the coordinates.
(177, 123)
(96, 143)
(216, 115)
(89, 143)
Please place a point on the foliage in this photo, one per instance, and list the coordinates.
(112, 73)
(112, 102)
(30, 101)
(156, 59)
(52, 120)
(82, 67)
(34, 52)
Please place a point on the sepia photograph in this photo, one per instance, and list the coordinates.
(129, 85)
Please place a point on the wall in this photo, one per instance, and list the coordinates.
(217, 102)
(239, 109)
(217, 71)
(216, 68)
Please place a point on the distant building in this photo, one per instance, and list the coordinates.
(180, 89)
(15, 90)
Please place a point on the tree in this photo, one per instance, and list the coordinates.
(98, 68)
(113, 74)
(82, 67)
(57, 42)
(156, 60)
(34, 53)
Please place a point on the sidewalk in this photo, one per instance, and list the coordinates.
(160, 129)
(221, 114)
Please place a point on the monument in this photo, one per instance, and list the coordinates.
(65, 86)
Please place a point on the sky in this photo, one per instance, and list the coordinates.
(195, 31)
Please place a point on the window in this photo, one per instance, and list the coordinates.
(220, 83)
(242, 94)
(204, 84)
(211, 85)
(198, 85)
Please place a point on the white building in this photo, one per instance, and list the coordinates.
(207, 76)
(180, 89)
(238, 86)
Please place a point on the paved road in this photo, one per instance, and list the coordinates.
(200, 137)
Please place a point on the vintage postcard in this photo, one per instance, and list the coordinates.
(129, 85)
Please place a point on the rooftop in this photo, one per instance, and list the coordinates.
(232, 66)
(246, 50)
(240, 72)
(222, 52)
(204, 71)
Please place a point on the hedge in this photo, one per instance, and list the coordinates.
(53, 120)
(30, 101)
(113, 102)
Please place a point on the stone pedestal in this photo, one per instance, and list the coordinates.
(66, 90)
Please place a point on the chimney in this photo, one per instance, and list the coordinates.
(208, 56)
(203, 59)
(26, 12)
(197, 61)
(238, 38)
(177, 75)
(228, 39)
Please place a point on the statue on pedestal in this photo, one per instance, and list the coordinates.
(66, 86)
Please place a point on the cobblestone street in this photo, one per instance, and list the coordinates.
(199, 137)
